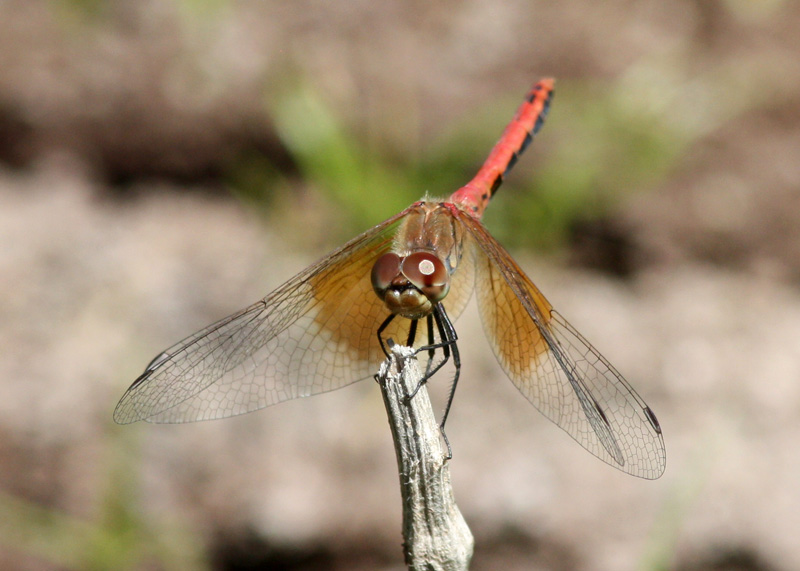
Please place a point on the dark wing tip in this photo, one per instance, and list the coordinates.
(651, 418)
(125, 412)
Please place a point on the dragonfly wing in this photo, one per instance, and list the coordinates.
(557, 370)
(315, 333)
(462, 282)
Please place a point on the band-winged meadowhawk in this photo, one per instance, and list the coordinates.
(325, 328)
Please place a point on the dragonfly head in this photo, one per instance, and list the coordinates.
(410, 286)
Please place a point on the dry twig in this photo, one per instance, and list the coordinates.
(436, 536)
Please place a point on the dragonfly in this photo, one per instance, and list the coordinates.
(407, 279)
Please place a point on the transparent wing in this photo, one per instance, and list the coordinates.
(315, 333)
(557, 370)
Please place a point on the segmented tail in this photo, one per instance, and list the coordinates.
(527, 121)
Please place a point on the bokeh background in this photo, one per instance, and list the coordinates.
(165, 162)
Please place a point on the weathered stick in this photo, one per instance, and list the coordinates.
(435, 534)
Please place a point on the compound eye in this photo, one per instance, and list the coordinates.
(428, 274)
(385, 269)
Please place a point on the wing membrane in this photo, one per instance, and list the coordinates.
(557, 370)
(315, 333)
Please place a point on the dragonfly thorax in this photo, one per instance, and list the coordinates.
(410, 286)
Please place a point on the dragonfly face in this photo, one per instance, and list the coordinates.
(412, 285)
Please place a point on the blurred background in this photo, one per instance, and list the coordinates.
(164, 163)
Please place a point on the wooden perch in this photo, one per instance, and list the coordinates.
(436, 536)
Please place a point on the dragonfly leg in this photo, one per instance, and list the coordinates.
(431, 349)
(447, 331)
(447, 334)
(412, 333)
(383, 326)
